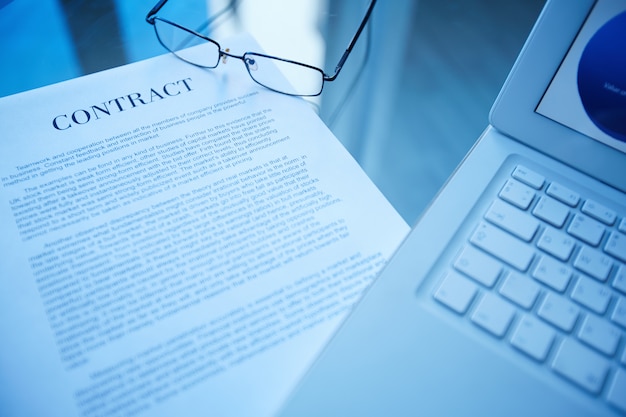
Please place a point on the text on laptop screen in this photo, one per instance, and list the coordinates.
(588, 92)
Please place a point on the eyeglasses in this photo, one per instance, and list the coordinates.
(202, 51)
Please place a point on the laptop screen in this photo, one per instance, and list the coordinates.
(596, 66)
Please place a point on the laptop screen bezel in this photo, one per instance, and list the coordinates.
(514, 111)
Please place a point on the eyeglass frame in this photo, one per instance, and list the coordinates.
(151, 17)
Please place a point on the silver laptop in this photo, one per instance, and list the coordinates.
(509, 296)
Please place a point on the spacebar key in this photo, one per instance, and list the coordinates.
(503, 246)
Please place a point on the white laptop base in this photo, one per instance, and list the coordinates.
(509, 295)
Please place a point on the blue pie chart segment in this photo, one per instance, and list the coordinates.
(602, 78)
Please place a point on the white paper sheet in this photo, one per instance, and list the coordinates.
(175, 242)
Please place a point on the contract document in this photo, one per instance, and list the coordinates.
(175, 241)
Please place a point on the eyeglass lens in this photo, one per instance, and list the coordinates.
(291, 78)
(186, 45)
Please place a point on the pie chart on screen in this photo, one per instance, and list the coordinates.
(602, 78)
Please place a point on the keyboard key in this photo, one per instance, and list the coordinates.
(493, 314)
(586, 229)
(478, 265)
(619, 312)
(556, 243)
(617, 390)
(563, 194)
(512, 220)
(559, 311)
(503, 246)
(562, 312)
(619, 283)
(551, 211)
(553, 273)
(599, 212)
(591, 294)
(599, 334)
(616, 246)
(533, 338)
(594, 263)
(581, 366)
(528, 177)
(521, 290)
(518, 194)
(456, 292)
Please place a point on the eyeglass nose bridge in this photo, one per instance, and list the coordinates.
(248, 61)
(225, 54)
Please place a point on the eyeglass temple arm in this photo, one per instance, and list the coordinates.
(232, 4)
(345, 55)
(154, 11)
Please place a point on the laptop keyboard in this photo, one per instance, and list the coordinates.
(545, 270)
